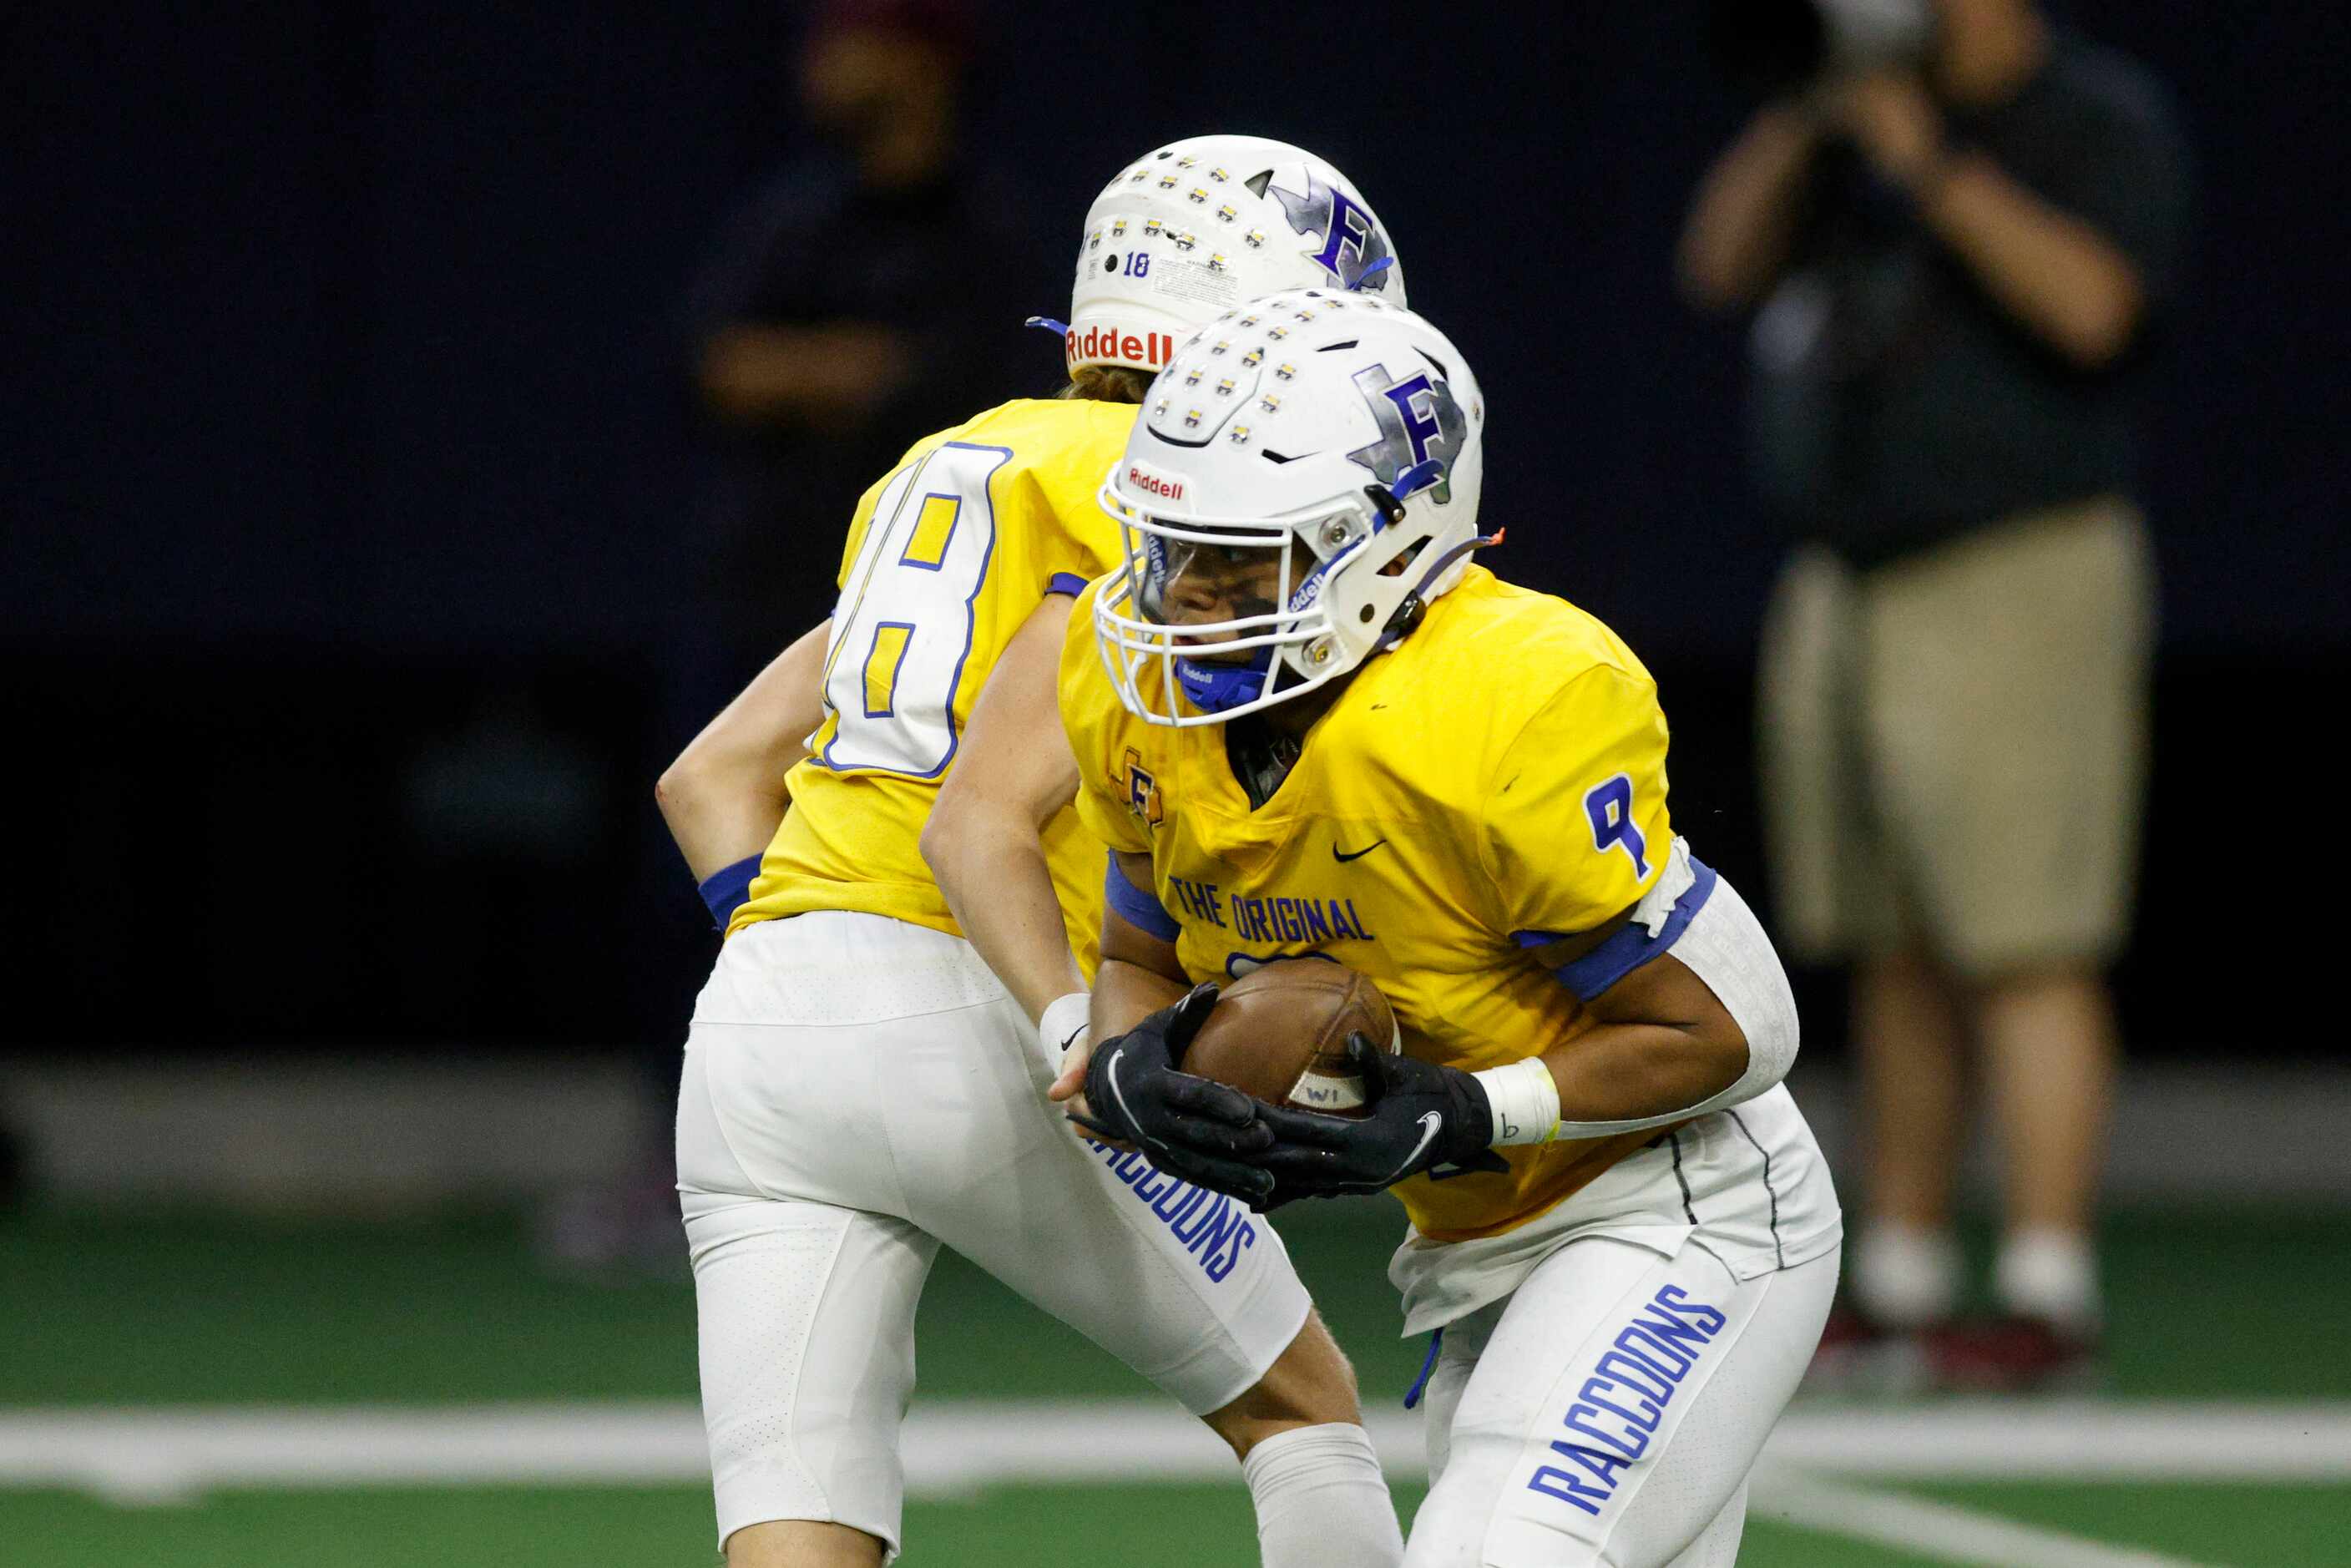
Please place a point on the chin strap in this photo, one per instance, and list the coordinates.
(1419, 476)
(1408, 614)
(1388, 499)
(1059, 328)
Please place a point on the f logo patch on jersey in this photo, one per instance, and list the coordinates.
(1419, 419)
(1350, 242)
(1142, 790)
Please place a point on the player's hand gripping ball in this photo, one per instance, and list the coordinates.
(1415, 1115)
(1316, 1047)
(1190, 1127)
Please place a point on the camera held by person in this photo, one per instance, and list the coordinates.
(1779, 46)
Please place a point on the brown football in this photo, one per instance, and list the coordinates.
(1280, 1032)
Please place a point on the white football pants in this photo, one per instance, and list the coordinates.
(857, 1090)
(1605, 1414)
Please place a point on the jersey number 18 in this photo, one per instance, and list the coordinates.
(903, 632)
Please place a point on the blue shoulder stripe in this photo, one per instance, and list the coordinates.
(1628, 949)
(1136, 906)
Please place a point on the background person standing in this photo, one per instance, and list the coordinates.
(1963, 244)
(866, 291)
(853, 303)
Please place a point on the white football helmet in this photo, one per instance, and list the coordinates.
(1305, 472)
(1200, 225)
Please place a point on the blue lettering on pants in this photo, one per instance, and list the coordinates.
(1215, 1230)
(1620, 1404)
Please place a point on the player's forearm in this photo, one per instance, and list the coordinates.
(1126, 993)
(1630, 1072)
(1140, 971)
(716, 821)
(1708, 1026)
(724, 796)
(984, 839)
(722, 802)
(2051, 271)
(991, 865)
(1617, 1078)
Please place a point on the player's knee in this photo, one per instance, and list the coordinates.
(1309, 1383)
(801, 1543)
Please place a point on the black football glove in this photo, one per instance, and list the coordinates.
(1195, 1129)
(1416, 1115)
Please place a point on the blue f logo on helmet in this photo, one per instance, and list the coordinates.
(1416, 415)
(1347, 228)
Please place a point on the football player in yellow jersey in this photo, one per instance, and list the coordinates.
(1308, 726)
(859, 1086)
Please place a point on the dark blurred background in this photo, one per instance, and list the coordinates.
(358, 485)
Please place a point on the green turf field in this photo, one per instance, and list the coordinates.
(116, 1327)
(1013, 1527)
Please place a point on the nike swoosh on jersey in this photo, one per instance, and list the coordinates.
(1343, 857)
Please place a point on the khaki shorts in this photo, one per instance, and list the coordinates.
(1954, 746)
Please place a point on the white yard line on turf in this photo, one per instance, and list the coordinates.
(1942, 1531)
(951, 1448)
(2086, 1440)
(166, 1453)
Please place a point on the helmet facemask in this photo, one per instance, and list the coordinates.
(1229, 616)
(1303, 479)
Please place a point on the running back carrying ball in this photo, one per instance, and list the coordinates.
(1279, 1034)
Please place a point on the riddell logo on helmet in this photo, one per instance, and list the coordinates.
(1152, 349)
(1150, 484)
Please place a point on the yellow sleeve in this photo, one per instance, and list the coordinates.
(1084, 541)
(1575, 826)
(1114, 792)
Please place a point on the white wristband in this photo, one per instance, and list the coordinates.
(1525, 1101)
(1062, 1026)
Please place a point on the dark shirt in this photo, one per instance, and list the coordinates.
(1895, 403)
(952, 270)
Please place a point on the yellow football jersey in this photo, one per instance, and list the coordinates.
(1495, 781)
(946, 556)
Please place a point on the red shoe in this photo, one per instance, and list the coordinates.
(1859, 1356)
(2013, 1354)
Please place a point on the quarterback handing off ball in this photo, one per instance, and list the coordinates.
(1279, 1034)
